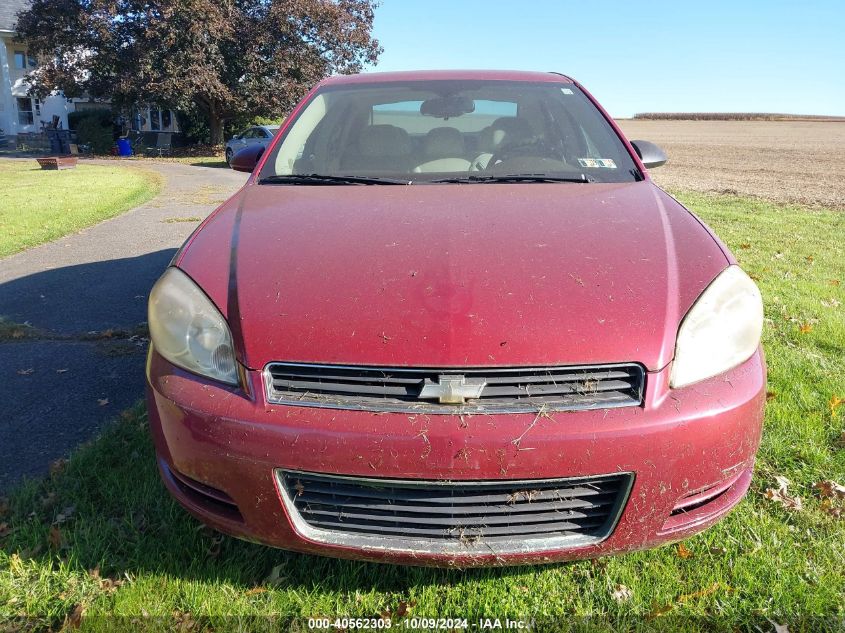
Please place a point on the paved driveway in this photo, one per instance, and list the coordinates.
(88, 292)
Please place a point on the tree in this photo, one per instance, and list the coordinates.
(224, 58)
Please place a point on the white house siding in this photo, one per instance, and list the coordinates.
(7, 113)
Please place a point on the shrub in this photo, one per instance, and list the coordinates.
(94, 128)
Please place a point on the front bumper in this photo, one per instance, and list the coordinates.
(691, 453)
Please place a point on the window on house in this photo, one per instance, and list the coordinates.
(155, 119)
(31, 61)
(166, 119)
(20, 60)
(25, 114)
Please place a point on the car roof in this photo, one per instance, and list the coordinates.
(434, 75)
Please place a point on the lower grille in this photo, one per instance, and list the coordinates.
(470, 390)
(210, 499)
(434, 516)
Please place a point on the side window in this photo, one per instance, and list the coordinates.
(20, 60)
(250, 133)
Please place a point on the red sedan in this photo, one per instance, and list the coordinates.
(450, 320)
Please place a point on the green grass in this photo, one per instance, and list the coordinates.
(762, 565)
(38, 206)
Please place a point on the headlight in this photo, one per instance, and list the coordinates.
(188, 330)
(721, 330)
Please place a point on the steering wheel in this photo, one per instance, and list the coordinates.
(522, 149)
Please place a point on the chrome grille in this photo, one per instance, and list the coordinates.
(437, 516)
(504, 390)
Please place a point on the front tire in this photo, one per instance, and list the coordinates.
(228, 155)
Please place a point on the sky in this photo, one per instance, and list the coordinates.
(653, 56)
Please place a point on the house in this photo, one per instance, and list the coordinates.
(21, 113)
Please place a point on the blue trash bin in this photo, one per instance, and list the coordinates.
(124, 148)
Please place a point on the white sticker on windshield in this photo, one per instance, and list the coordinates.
(607, 163)
(567, 91)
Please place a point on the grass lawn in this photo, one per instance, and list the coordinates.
(39, 206)
(101, 537)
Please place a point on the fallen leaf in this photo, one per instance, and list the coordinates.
(403, 608)
(255, 591)
(103, 401)
(684, 551)
(400, 611)
(779, 628)
(74, 618)
(781, 495)
(771, 395)
(58, 466)
(745, 246)
(831, 303)
(829, 489)
(828, 507)
(700, 593)
(26, 372)
(718, 551)
(56, 538)
(809, 259)
(834, 282)
(658, 610)
(805, 328)
(300, 489)
(621, 593)
(110, 585)
(834, 404)
(94, 573)
(777, 256)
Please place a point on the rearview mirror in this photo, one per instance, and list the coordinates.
(650, 154)
(447, 107)
(247, 158)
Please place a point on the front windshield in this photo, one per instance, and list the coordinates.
(451, 131)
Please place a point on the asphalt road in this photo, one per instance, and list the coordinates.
(87, 292)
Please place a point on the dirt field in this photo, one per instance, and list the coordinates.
(785, 161)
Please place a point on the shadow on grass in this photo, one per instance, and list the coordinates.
(107, 508)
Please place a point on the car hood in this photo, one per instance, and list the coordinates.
(454, 275)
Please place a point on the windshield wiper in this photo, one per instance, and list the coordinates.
(584, 178)
(326, 179)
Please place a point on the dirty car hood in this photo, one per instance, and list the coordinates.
(454, 275)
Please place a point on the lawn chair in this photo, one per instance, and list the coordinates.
(136, 140)
(163, 145)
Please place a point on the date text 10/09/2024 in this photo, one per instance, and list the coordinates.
(415, 623)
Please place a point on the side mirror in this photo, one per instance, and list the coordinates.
(650, 154)
(236, 137)
(247, 158)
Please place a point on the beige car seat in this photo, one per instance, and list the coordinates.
(443, 150)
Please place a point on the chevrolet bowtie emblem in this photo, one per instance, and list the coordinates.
(452, 389)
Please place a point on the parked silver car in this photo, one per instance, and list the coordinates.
(257, 134)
